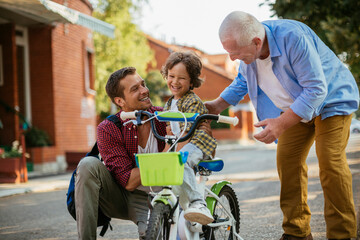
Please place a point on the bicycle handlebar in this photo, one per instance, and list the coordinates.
(229, 120)
(128, 115)
(138, 115)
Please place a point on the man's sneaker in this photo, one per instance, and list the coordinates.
(198, 212)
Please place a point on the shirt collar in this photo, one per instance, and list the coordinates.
(180, 99)
(273, 47)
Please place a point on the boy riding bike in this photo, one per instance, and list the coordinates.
(182, 71)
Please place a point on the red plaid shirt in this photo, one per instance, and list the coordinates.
(118, 148)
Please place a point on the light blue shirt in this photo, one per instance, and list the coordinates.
(316, 80)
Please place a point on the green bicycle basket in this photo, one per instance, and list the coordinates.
(160, 169)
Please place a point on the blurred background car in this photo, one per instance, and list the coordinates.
(355, 126)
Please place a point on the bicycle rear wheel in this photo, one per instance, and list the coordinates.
(159, 226)
(230, 202)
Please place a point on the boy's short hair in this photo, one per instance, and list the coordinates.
(192, 63)
(113, 87)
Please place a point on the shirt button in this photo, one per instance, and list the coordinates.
(129, 128)
(135, 136)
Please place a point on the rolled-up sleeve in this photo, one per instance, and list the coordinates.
(113, 152)
(236, 91)
(306, 63)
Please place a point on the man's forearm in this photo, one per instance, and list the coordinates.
(216, 106)
(289, 119)
(134, 180)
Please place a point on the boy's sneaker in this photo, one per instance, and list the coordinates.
(194, 226)
(198, 212)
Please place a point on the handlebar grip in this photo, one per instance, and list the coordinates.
(128, 115)
(230, 120)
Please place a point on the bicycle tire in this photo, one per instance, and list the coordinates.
(158, 226)
(228, 195)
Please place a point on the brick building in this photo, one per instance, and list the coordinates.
(47, 75)
(218, 72)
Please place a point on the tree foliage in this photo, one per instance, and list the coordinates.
(337, 23)
(128, 48)
(157, 86)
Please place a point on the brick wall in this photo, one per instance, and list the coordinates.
(41, 80)
(214, 84)
(74, 107)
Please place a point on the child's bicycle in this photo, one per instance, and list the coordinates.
(166, 169)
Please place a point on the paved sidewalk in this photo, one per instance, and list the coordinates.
(36, 183)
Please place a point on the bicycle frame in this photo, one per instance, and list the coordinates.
(167, 196)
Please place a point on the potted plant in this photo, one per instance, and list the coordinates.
(38, 143)
(10, 163)
(35, 137)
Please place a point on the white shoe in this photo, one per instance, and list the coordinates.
(198, 212)
(194, 226)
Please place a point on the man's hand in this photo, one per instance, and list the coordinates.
(274, 127)
(273, 130)
(168, 130)
(216, 106)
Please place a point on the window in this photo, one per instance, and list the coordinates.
(89, 73)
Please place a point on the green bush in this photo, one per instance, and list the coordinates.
(215, 125)
(35, 137)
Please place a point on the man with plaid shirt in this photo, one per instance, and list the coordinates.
(114, 185)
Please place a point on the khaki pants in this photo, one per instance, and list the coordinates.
(331, 136)
(94, 186)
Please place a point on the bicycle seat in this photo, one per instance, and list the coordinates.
(215, 165)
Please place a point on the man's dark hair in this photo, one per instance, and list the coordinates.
(192, 63)
(113, 87)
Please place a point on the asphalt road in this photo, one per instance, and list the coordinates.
(252, 171)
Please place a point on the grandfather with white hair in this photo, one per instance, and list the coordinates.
(302, 93)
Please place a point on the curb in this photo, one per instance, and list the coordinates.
(38, 184)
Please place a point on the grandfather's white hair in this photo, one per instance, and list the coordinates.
(242, 27)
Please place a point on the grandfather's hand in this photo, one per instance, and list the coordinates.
(273, 130)
(274, 127)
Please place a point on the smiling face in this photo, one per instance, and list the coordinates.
(136, 94)
(178, 80)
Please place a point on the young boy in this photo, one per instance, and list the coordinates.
(182, 71)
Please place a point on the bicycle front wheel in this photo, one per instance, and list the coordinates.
(159, 226)
(229, 202)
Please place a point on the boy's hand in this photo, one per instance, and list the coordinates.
(205, 126)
